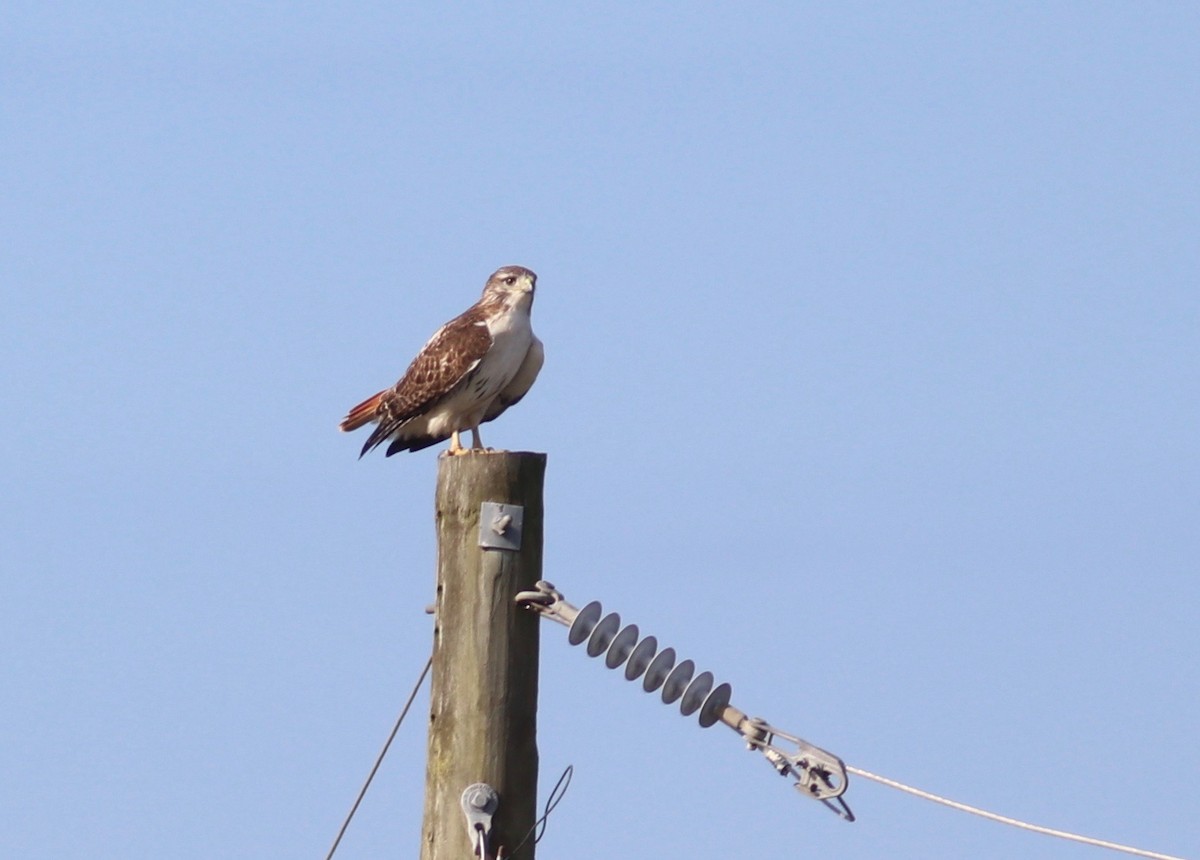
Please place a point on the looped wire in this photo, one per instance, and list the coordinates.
(556, 795)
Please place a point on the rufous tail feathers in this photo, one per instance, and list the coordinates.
(363, 413)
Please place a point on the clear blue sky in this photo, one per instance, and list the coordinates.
(872, 385)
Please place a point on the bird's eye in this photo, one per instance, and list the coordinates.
(510, 280)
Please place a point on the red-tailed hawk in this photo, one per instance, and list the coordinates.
(472, 369)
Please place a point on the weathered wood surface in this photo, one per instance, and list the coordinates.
(483, 709)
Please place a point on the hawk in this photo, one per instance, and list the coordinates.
(471, 370)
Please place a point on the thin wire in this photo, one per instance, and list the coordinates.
(1003, 819)
(379, 759)
(551, 802)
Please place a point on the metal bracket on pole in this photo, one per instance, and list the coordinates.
(479, 804)
(500, 525)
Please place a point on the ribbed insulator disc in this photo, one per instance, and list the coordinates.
(621, 647)
(714, 704)
(693, 696)
(584, 622)
(677, 681)
(659, 668)
(640, 658)
(604, 634)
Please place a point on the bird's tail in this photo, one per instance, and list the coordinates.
(363, 413)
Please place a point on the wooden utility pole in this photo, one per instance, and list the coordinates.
(483, 709)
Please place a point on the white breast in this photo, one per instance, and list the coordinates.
(512, 336)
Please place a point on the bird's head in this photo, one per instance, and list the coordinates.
(511, 285)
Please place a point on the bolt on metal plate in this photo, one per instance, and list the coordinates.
(500, 525)
(479, 802)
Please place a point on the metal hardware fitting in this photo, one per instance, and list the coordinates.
(819, 774)
(479, 803)
(500, 525)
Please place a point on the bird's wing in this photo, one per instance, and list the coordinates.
(521, 382)
(442, 365)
